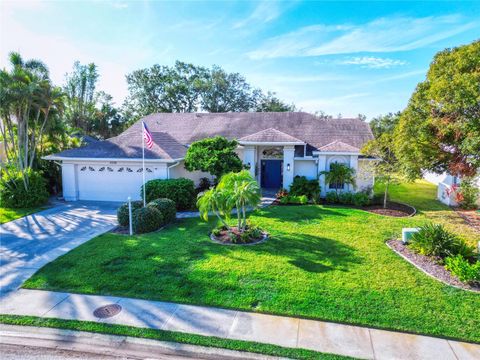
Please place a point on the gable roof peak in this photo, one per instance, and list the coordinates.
(270, 135)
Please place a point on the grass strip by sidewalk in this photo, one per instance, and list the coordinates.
(170, 336)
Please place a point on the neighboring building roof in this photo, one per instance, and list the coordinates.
(270, 135)
(173, 132)
(338, 146)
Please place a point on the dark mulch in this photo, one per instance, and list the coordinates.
(471, 217)
(393, 209)
(430, 265)
(224, 238)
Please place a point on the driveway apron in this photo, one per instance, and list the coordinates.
(29, 243)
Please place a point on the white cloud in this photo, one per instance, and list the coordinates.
(264, 12)
(372, 62)
(380, 35)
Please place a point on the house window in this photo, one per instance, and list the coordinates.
(335, 186)
(273, 153)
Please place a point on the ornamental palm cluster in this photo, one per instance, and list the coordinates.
(236, 190)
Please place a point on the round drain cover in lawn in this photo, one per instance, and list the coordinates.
(107, 311)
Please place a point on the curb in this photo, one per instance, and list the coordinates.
(112, 345)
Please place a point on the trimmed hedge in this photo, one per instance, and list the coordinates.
(122, 212)
(181, 191)
(146, 220)
(166, 207)
(14, 195)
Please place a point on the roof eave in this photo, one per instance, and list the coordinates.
(65, 158)
(336, 153)
(270, 143)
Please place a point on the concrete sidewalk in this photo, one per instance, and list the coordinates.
(315, 335)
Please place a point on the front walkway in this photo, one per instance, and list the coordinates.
(30, 242)
(290, 332)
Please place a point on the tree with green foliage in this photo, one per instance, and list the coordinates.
(215, 155)
(386, 165)
(271, 103)
(89, 110)
(29, 102)
(339, 174)
(384, 124)
(189, 88)
(440, 128)
(236, 190)
(227, 92)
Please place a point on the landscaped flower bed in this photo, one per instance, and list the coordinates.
(251, 235)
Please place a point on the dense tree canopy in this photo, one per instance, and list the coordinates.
(440, 128)
(216, 156)
(188, 88)
(90, 111)
(384, 123)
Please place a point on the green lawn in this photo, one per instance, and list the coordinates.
(7, 215)
(321, 262)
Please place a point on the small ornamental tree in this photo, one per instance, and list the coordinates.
(235, 190)
(216, 156)
(339, 174)
(386, 167)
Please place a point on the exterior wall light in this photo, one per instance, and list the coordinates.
(288, 167)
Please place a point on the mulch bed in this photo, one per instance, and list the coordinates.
(471, 217)
(430, 266)
(224, 238)
(393, 209)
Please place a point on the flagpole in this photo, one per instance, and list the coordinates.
(143, 163)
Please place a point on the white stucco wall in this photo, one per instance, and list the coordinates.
(179, 171)
(307, 168)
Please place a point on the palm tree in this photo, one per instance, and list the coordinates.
(235, 190)
(339, 174)
(27, 100)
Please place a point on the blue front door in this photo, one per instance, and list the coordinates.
(272, 174)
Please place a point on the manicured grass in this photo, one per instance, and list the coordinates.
(321, 262)
(422, 195)
(7, 215)
(170, 336)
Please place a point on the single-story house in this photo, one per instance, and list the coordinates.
(275, 147)
(447, 186)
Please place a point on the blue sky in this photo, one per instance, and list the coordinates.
(339, 57)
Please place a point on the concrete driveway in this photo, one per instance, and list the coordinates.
(29, 243)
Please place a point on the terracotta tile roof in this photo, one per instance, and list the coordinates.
(269, 135)
(173, 132)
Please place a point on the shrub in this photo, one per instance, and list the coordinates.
(360, 198)
(302, 186)
(203, 185)
(468, 193)
(281, 193)
(345, 198)
(331, 197)
(181, 191)
(293, 199)
(13, 193)
(122, 212)
(462, 269)
(146, 219)
(166, 207)
(435, 240)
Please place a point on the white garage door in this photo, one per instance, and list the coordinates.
(110, 183)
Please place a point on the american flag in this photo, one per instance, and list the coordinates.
(147, 135)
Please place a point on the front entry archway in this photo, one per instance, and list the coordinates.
(271, 174)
